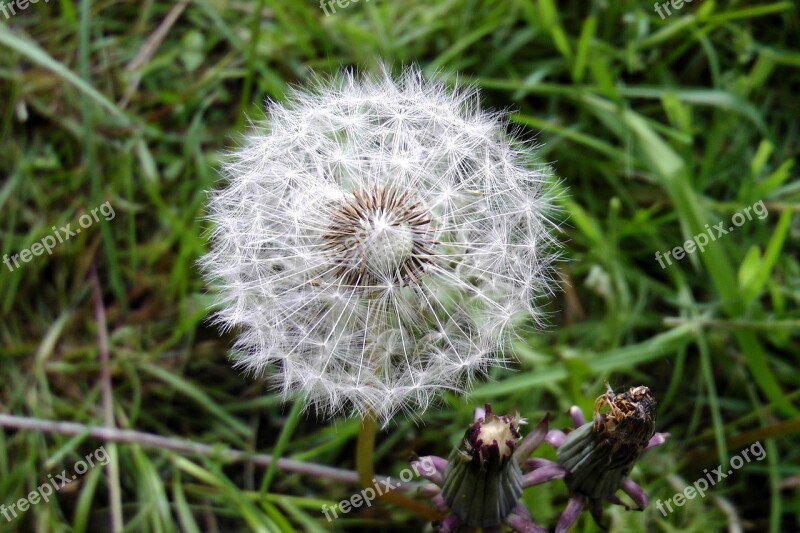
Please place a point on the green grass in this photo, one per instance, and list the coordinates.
(655, 127)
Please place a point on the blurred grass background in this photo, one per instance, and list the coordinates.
(656, 127)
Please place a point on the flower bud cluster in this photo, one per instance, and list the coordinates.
(480, 485)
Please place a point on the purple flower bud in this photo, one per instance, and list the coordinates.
(482, 484)
(482, 480)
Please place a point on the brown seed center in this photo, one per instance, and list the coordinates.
(378, 238)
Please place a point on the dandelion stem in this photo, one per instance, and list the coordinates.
(365, 451)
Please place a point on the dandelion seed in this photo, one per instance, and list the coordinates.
(378, 242)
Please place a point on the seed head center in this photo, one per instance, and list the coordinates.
(378, 238)
(387, 245)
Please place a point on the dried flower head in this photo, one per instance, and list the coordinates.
(596, 457)
(630, 420)
(377, 242)
(599, 455)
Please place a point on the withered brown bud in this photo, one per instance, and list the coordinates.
(601, 453)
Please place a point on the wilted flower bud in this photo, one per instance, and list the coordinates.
(595, 458)
(600, 454)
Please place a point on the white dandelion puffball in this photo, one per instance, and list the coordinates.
(377, 243)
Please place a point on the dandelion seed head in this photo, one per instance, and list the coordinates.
(377, 242)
